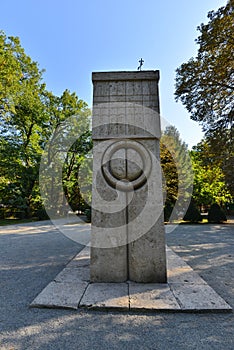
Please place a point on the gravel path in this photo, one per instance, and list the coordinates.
(33, 254)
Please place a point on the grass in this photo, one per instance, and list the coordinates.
(14, 221)
(204, 221)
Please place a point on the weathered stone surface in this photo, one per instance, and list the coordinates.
(178, 271)
(119, 76)
(147, 259)
(81, 260)
(109, 265)
(174, 260)
(62, 295)
(108, 230)
(127, 226)
(77, 263)
(106, 295)
(198, 297)
(153, 296)
(126, 104)
(72, 274)
(125, 119)
(71, 284)
(85, 252)
(184, 275)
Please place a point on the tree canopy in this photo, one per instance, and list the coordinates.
(29, 115)
(177, 173)
(46, 135)
(205, 84)
(209, 179)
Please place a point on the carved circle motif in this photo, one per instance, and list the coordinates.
(126, 165)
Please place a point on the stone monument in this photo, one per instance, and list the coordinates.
(127, 231)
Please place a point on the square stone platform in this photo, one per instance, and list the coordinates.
(185, 290)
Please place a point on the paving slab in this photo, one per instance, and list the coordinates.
(184, 275)
(85, 252)
(197, 297)
(153, 296)
(71, 274)
(175, 261)
(82, 259)
(185, 290)
(60, 295)
(106, 295)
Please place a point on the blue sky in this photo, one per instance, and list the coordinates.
(72, 38)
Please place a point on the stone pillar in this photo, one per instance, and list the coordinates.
(127, 232)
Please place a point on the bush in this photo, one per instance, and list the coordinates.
(192, 214)
(88, 214)
(20, 214)
(42, 214)
(2, 213)
(216, 214)
(167, 211)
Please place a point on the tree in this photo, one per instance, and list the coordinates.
(77, 173)
(216, 214)
(216, 153)
(192, 214)
(170, 174)
(66, 151)
(177, 172)
(22, 118)
(205, 84)
(209, 179)
(29, 115)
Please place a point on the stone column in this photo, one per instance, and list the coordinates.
(127, 235)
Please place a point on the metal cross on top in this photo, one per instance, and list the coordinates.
(141, 64)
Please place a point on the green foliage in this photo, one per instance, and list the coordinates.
(216, 214)
(193, 213)
(29, 117)
(209, 179)
(205, 84)
(21, 121)
(170, 183)
(176, 168)
(218, 149)
(77, 173)
(88, 214)
(18, 75)
(167, 211)
(64, 158)
(41, 214)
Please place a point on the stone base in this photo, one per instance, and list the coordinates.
(185, 290)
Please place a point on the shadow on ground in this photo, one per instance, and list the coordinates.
(30, 261)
